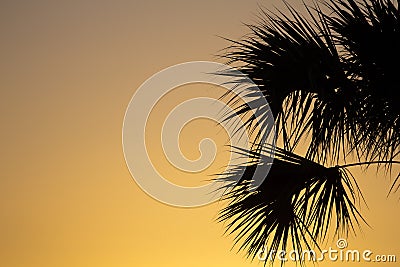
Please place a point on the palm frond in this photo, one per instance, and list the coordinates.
(332, 73)
(295, 204)
(296, 65)
(368, 33)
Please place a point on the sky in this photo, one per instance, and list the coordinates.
(68, 72)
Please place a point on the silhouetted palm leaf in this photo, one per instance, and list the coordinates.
(329, 75)
(369, 34)
(296, 202)
(296, 65)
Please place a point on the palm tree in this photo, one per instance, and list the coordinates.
(330, 77)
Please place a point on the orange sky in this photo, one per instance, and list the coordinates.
(68, 71)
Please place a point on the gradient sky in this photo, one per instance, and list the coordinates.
(68, 72)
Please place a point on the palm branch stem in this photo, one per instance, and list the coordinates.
(369, 163)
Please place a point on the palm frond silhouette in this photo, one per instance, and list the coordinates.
(297, 198)
(329, 76)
